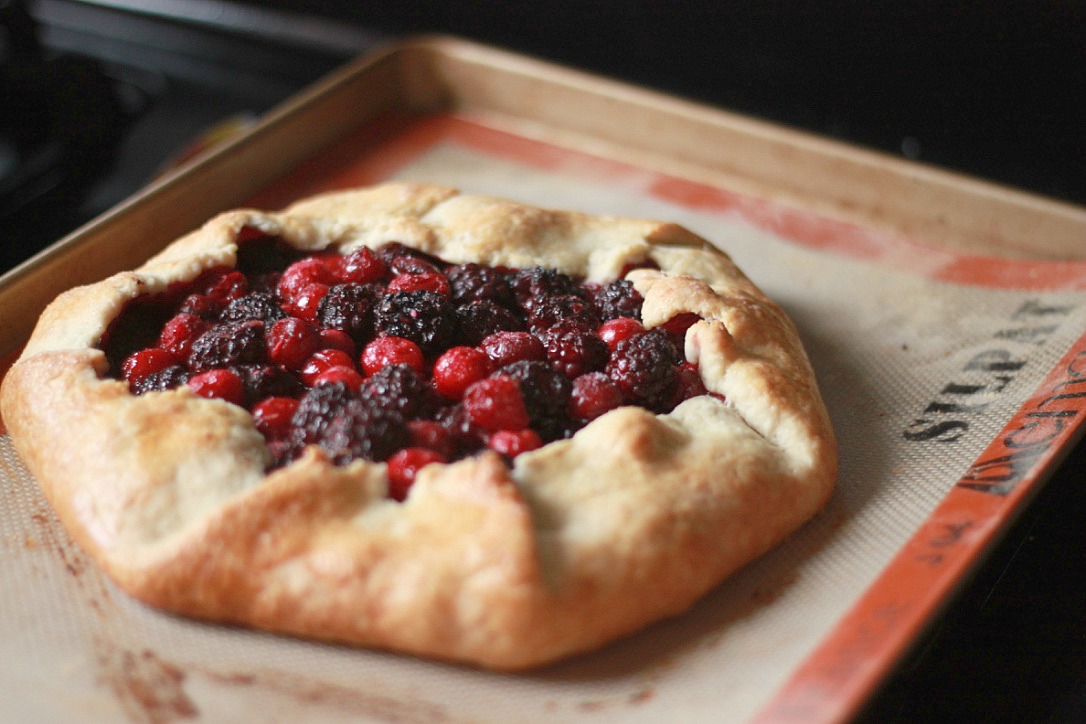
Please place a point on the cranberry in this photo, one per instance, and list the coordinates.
(179, 333)
(511, 443)
(228, 287)
(509, 347)
(146, 362)
(496, 404)
(337, 339)
(427, 282)
(200, 305)
(614, 331)
(273, 414)
(301, 274)
(404, 465)
(689, 383)
(361, 266)
(677, 325)
(221, 384)
(594, 394)
(458, 368)
(385, 351)
(322, 360)
(432, 435)
(291, 341)
(341, 374)
(306, 303)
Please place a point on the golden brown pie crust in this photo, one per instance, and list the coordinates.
(582, 541)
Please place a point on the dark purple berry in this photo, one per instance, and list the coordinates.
(426, 318)
(350, 308)
(551, 310)
(401, 389)
(546, 395)
(227, 345)
(530, 285)
(475, 282)
(644, 368)
(166, 379)
(618, 299)
(347, 427)
(572, 350)
(479, 320)
(403, 259)
(263, 380)
(255, 305)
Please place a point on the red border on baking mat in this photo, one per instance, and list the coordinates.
(846, 668)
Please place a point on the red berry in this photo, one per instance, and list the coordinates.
(404, 465)
(496, 404)
(145, 362)
(230, 286)
(459, 367)
(178, 333)
(615, 330)
(361, 266)
(385, 351)
(346, 375)
(221, 384)
(432, 435)
(273, 415)
(301, 274)
(689, 384)
(291, 341)
(594, 394)
(505, 348)
(322, 360)
(337, 339)
(306, 303)
(677, 325)
(511, 443)
(427, 282)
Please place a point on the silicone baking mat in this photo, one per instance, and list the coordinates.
(952, 381)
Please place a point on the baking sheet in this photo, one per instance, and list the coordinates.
(924, 355)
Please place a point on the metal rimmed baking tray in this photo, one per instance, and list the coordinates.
(943, 316)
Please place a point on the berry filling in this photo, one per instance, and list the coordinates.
(393, 355)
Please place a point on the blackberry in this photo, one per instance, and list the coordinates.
(350, 308)
(548, 311)
(264, 380)
(401, 389)
(572, 350)
(618, 299)
(530, 285)
(546, 395)
(475, 282)
(166, 379)
(227, 345)
(255, 305)
(465, 436)
(644, 368)
(346, 426)
(481, 319)
(426, 318)
(403, 259)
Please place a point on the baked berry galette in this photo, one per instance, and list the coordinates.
(414, 419)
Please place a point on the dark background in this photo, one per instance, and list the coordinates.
(96, 96)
